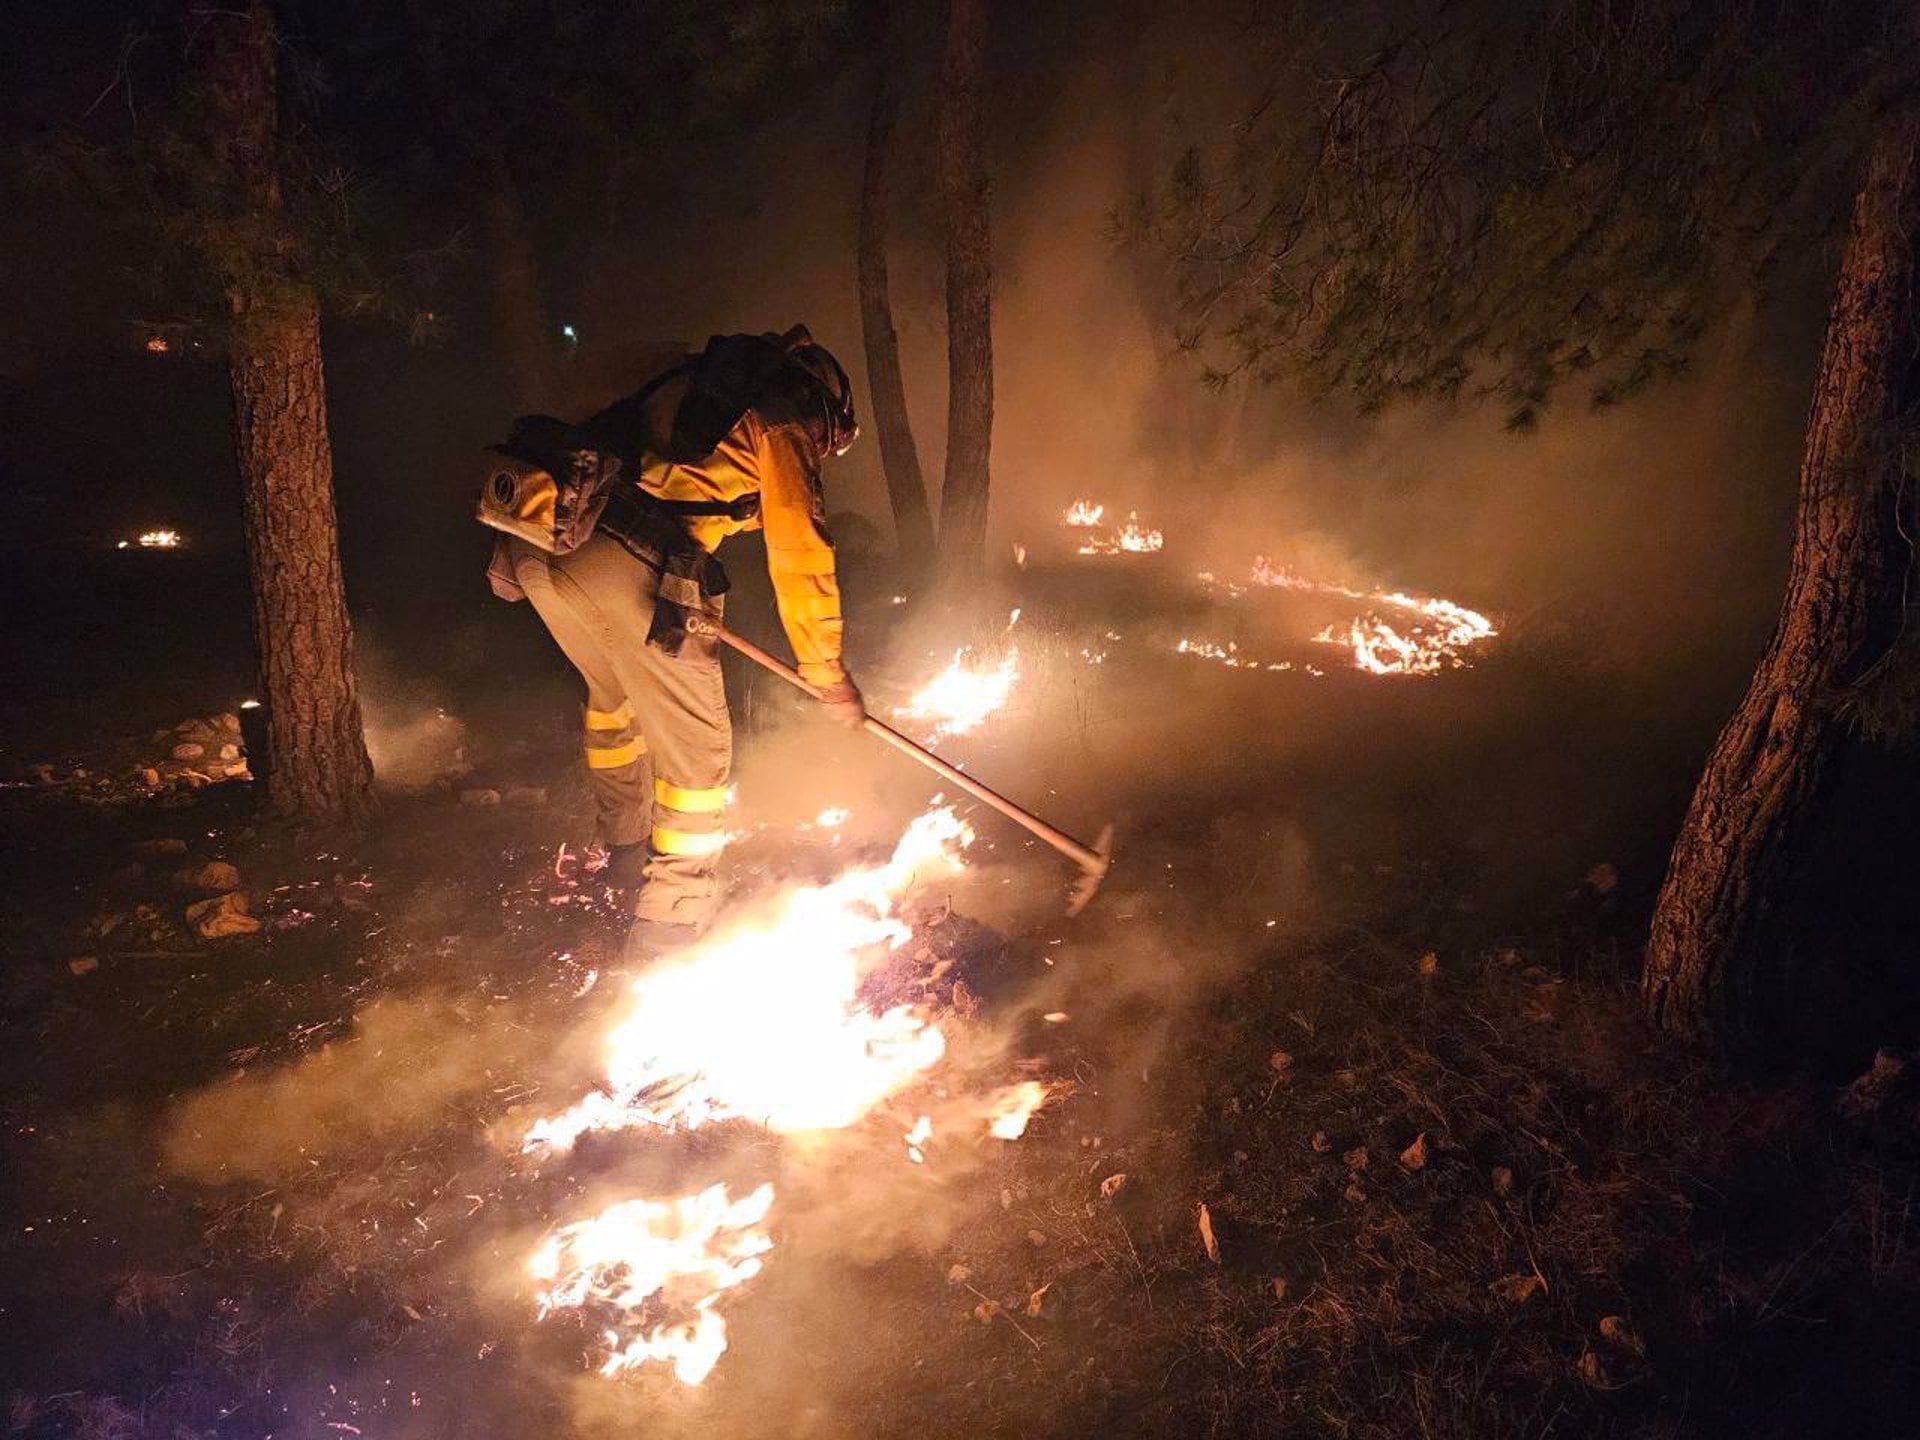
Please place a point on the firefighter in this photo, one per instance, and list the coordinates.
(728, 440)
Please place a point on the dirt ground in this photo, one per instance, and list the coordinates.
(1353, 1130)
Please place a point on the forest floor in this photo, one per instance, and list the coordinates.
(1353, 1127)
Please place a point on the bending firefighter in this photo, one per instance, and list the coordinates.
(610, 528)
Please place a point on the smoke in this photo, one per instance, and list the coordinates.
(413, 739)
(401, 1071)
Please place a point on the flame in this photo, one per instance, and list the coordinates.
(659, 1267)
(1013, 1107)
(1136, 538)
(762, 1022)
(964, 694)
(917, 1139)
(160, 540)
(1426, 636)
(1132, 537)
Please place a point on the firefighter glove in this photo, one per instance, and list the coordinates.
(843, 704)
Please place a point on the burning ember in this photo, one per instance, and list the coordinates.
(763, 1022)
(153, 540)
(964, 694)
(651, 1261)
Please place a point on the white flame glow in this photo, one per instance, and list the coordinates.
(660, 1266)
(964, 694)
(159, 540)
(1084, 514)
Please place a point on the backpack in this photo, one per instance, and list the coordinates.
(548, 484)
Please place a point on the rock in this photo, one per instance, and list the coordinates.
(1502, 1180)
(1356, 1159)
(228, 721)
(1280, 1062)
(1110, 1186)
(1321, 1144)
(1414, 1157)
(479, 797)
(83, 964)
(1036, 1237)
(152, 848)
(986, 1310)
(1279, 1287)
(216, 877)
(150, 776)
(1602, 879)
(1592, 1370)
(1429, 965)
(229, 752)
(533, 795)
(222, 916)
(188, 750)
(959, 1275)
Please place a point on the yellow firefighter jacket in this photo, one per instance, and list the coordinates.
(770, 451)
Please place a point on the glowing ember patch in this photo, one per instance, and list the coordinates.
(158, 345)
(654, 1271)
(964, 694)
(832, 818)
(159, 540)
(1013, 1107)
(1084, 514)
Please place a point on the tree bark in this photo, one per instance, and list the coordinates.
(963, 186)
(1719, 962)
(520, 313)
(317, 765)
(899, 456)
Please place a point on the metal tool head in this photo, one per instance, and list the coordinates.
(1082, 892)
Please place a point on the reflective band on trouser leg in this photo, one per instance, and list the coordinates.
(612, 757)
(668, 841)
(621, 719)
(689, 802)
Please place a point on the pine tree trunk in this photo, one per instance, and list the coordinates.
(519, 306)
(1719, 966)
(963, 185)
(317, 765)
(899, 456)
(318, 768)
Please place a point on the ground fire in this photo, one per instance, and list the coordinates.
(792, 720)
(763, 1023)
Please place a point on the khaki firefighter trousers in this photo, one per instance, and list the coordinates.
(658, 739)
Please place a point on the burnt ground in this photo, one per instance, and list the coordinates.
(1355, 1130)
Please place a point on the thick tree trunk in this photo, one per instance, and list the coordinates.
(963, 186)
(1718, 961)
(317, 766)
(899, 456)
(520, 316)
(317, 752)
